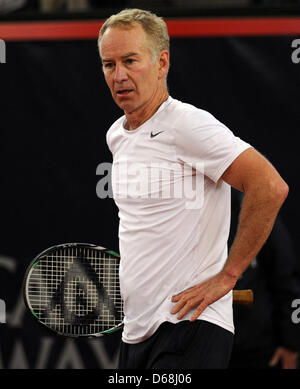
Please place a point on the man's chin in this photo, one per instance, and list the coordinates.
(125, 106)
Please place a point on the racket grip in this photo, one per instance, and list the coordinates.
(243, 297)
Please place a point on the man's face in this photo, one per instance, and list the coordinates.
(129, 71)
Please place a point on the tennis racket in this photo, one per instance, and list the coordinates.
(73, 289)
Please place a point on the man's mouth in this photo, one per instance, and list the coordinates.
(124, 92)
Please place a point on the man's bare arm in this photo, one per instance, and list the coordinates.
(265, 192)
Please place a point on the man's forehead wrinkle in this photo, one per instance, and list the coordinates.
(111, 42)
(110, 52)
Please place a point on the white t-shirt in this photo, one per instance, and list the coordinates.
(174, 212)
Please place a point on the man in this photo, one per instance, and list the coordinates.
(176, 276)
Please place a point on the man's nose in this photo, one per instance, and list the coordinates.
(120, 73)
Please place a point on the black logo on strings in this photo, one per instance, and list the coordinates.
(73, 300)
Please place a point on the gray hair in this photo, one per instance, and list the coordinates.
(154, 26)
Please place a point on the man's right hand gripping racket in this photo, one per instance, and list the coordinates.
(73, 289)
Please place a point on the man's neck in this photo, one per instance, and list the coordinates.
(141, 115)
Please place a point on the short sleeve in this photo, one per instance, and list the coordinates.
(201, 139)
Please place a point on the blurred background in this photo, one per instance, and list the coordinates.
(64, 8)
(239, 60)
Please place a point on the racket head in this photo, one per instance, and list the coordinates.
(73, 289)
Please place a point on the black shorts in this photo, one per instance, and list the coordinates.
(184, 345)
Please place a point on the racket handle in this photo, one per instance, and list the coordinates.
(243, 297)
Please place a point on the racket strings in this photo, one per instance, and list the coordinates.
(76, 291)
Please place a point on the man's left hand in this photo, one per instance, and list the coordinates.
(202, 295)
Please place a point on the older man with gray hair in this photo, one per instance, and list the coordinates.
(176, 275)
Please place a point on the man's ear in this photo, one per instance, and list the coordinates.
(163, 63)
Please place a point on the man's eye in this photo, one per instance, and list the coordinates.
(129, 61)
(108, 65)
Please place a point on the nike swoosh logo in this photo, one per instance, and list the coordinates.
(154, 135)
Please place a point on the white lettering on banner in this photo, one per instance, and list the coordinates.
(9, 264)
(18, 358)
(69, 358)
(102, 355)
(44, 353)
(15, 318)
